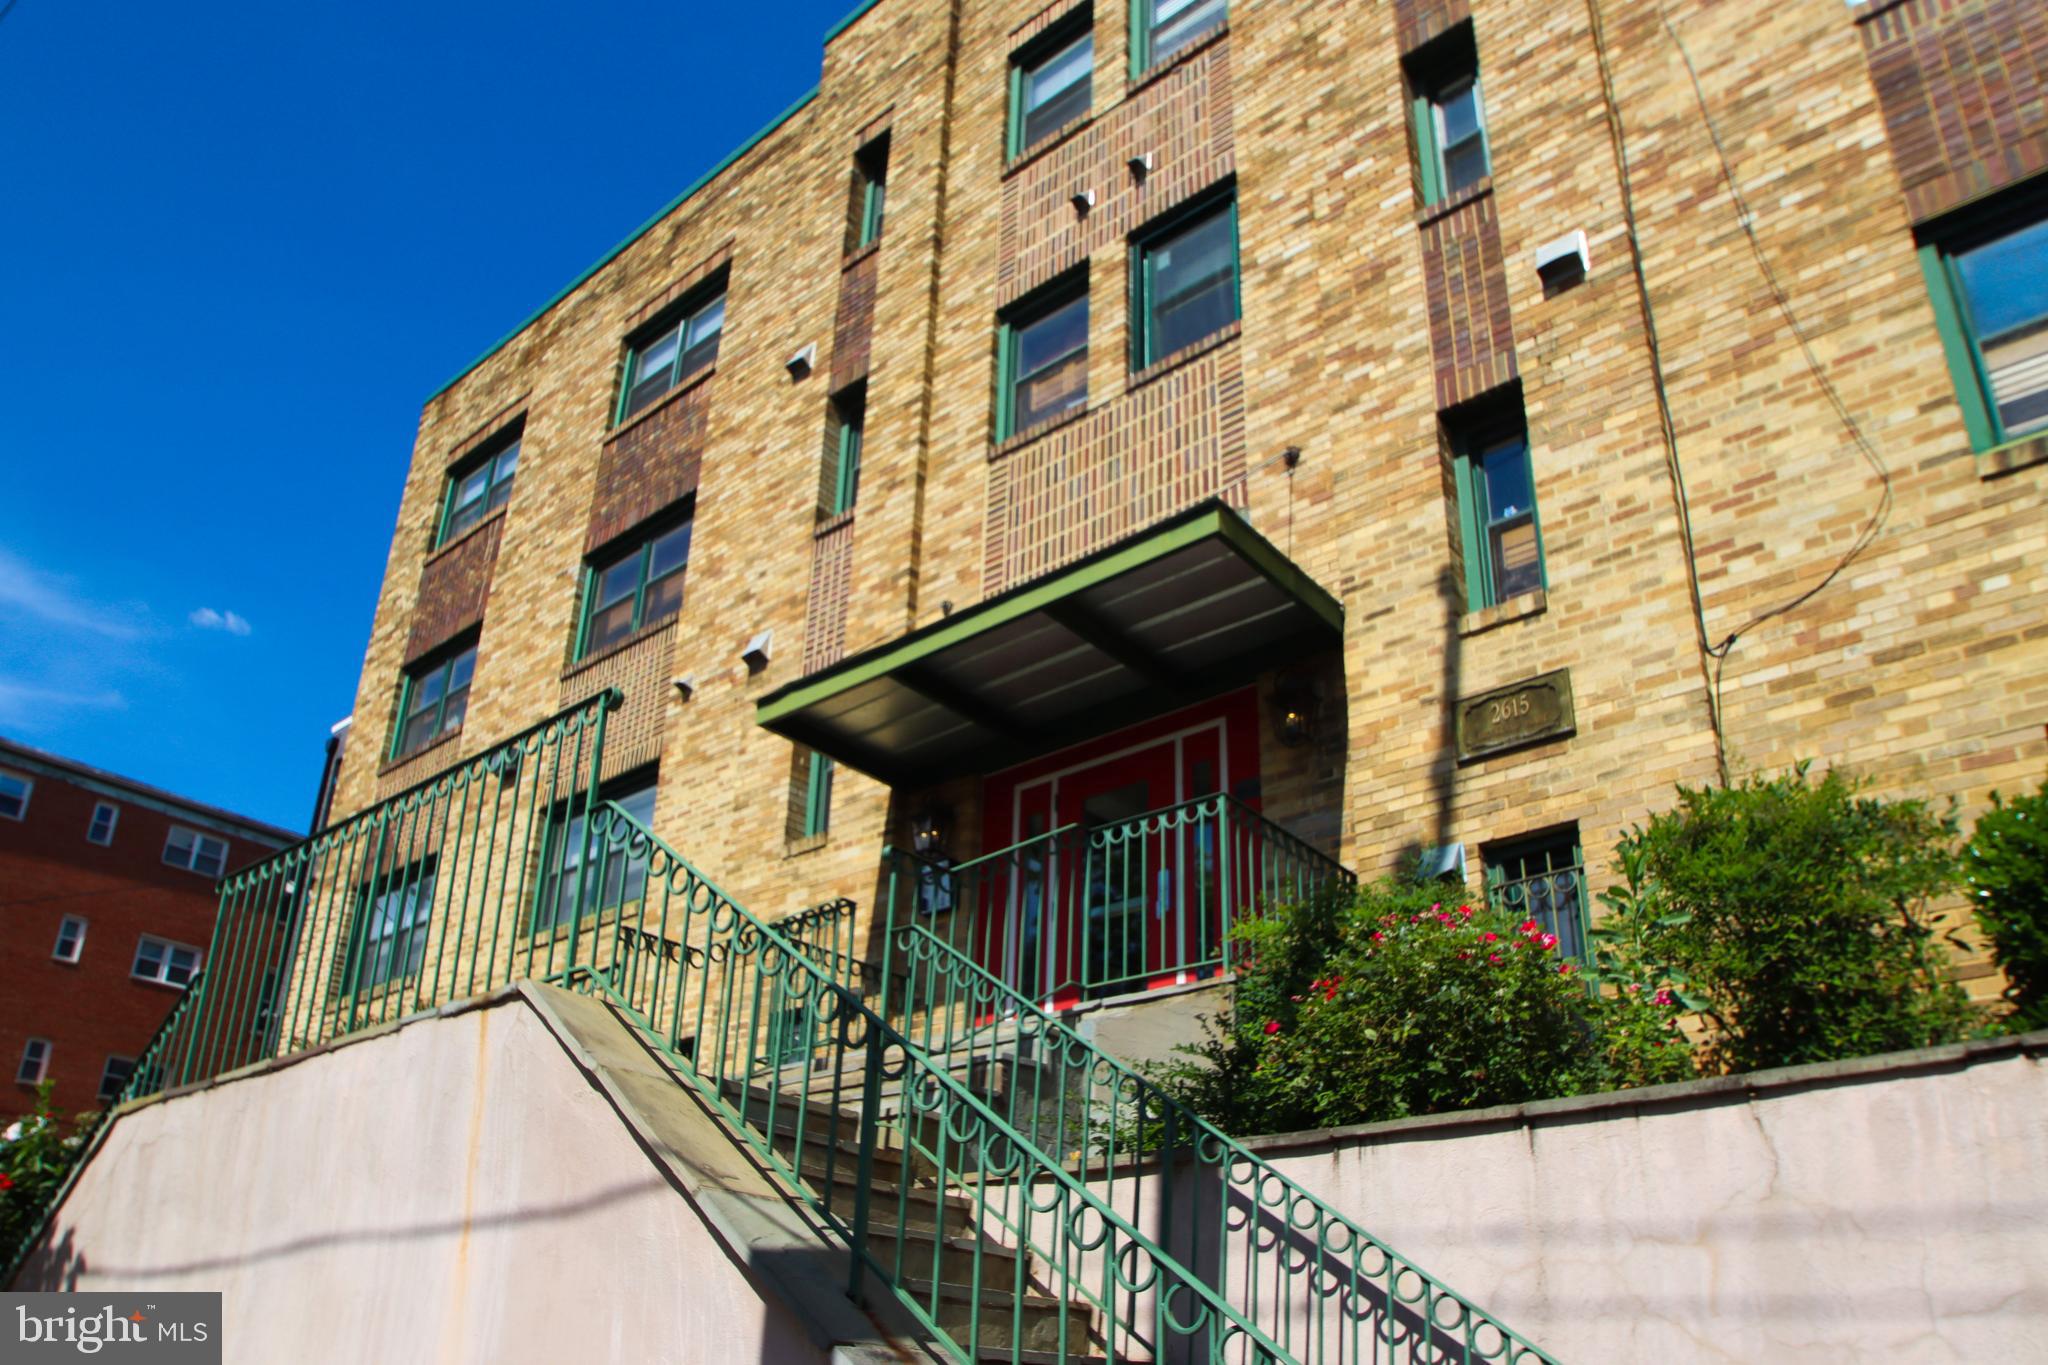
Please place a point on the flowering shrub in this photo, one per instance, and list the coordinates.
(2006, 866)
(35, 1155)
(1396, 1002)
(1792, 917)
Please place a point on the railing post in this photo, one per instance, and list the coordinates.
(583, 867)
(870, 1108)
(1224, 883)
(892, 862)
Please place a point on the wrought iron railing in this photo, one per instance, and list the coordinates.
(1553, 895)
(1084, 911)
(999, 1247)
(1306, 1277)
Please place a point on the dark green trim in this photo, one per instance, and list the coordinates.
(1959, 347)
(1013, 126)
(846, 469)
(698, 184)
(1139, 29)
(1048, 298)
(1139, 264)
(405, 686)
(848, 21)
(1211, 519)
(1422, 114)
(817, 795)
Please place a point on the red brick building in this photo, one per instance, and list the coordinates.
(107, 902)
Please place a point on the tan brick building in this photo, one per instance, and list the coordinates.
(1424, 424)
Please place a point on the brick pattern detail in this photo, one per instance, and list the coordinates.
(1418, 21)
(454, 585)
(856, 320)
(1164, 446)
(1964, 89)
(1182, 120)
(831, 587)
(679, 286)
(1472, 340)
(650, 464)
(1043, 20)
(643, 671)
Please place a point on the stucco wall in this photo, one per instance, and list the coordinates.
(454, 1190)
(1894, 1210)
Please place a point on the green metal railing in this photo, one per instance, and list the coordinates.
(1000, 1248)
(1308, 1279)
(1090, 911)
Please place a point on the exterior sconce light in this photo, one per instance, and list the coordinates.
(1562, 263)
(685, 687)
(1082, 200)
(755, 655)
(800, 364)
(1294, 712)
(1141, 166)
(928, 830)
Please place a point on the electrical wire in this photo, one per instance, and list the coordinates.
(1746, 217)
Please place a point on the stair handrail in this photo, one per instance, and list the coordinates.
(1272, 1189)
(936, 1093)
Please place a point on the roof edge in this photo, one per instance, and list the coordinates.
(701, 181)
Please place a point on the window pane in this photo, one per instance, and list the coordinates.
(671, 551)
(1517, 568)
(620, 581)
(658, 359)
(209, 856)
(705, 328)
(2007, 281)
(1052, 391)
(1193, 288)
(1464, 166)
(1051, 337)
(664, 599)
(1458, 111)
(503, 468)
(461, 668)
(417, 732)
(1177, 23)
(1505, 467)
(609, 626)
(1056, 91)
(426, 693)
(453, 712)
(149, 955)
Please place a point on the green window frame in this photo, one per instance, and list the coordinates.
(633, 586)
(1987, 277)
(581, 879)
(673, 351)
(871, 171)
(1542, 877)
(477, 487)
(850, 411)
(1161, 29)
(1171, 311)
(393, 921)
(1447, 109)
(1501, 529)
(1052, 83)
(1042, 357)
(817, 795)
(433, 698)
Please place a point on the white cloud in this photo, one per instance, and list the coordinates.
(25, 588)
(206, 618)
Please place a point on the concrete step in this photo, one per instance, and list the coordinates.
(1003, 1319)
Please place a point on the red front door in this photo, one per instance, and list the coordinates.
(1123, 895)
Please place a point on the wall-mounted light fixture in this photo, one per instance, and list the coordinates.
(1082, 200)
(755, 655)
(685, 687)
(1563, 261)
(1295, 705)
(929, 827)
(800, 364)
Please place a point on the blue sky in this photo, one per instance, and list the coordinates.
(243, 244)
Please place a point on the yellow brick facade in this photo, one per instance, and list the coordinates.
(1923, 663)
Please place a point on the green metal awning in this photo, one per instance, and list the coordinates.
(1185, 609)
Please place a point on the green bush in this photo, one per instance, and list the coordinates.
(2006, 865)
(1393, 1002)
(35, 1155)
(1792, 915)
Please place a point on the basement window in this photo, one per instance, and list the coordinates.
(1541, 878)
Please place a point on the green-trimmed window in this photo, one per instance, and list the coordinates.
(392, 944)
(1987, 271)
(675, 350)
(632, 587)
(1043, 358)
(817, 795)
(1449, 115)
(850, 411)
(477, 487)
(871, 188)
(1161, 28)
(605, 873)
(1503, 543)
(1184, 275)
(1542, 878)
(432, 700)
(1051, 83)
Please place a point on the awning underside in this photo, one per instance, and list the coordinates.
(1181, 611)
